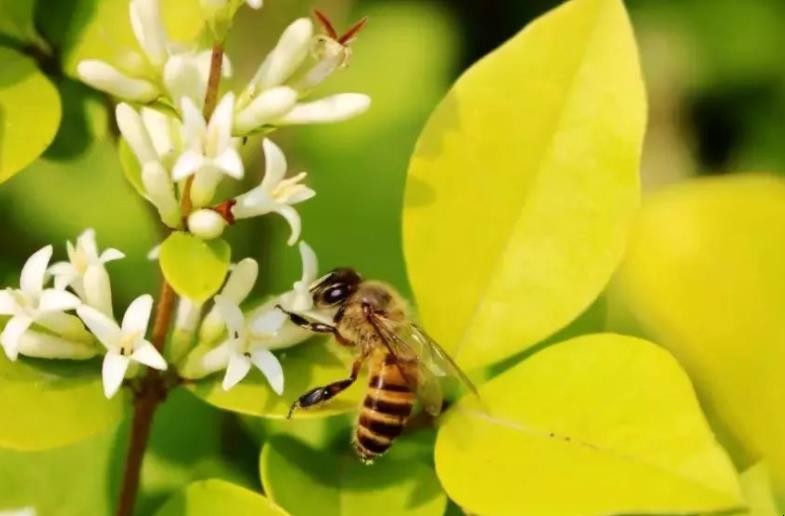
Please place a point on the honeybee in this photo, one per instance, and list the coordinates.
(404, 363)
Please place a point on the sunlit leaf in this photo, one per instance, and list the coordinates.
(17, 21)
(53, 403)
(758, 496)
(523, 182)
(29, 112)
(195, 268)
(338, 484)
(96, 29)
(211, 497)
(47, 481)
(601, 424)
(705, 274)
(305, 366)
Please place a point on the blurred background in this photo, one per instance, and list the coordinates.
(714, 73)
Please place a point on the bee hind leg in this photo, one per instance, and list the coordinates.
(324, 393)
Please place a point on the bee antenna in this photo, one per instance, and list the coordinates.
(325, 22)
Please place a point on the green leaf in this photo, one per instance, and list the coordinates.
(29, 112)
(131, 169)
(211, 497)
(305, 366)
(341, 485)
(195, 268)
(601, 424)
(756, 485)
(705, 274)
(17, 21)
(75, 480)
(96, 29)
(523, 183)
(50, 403)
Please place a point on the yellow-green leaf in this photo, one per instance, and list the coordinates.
(212, 497)
(195, 268)
(48, 403)
(600, 424)
(29, 112)
(523, 182)
(305, 366)
(16, 21)
(338, 484)
(756, 485)
(705, 274)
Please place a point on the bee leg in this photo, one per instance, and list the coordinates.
(302, 322)
(324, 393)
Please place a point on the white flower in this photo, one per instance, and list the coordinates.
(125, 343)
(210, 150)
(299, 299)
(284, 77)
(185, 75)
(134, 84)
(274, 193)
(85, 271)
(242, 350)
(32, 303)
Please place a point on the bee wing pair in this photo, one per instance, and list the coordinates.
(407, 342)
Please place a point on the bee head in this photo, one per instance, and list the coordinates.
(336, 287)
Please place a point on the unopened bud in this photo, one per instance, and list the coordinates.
(206, 224)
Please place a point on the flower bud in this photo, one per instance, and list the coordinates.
(135, 133)
(206, 224)
(107, 78)
(266, 107)
(43, 345)
(335, 108)
(160, 191)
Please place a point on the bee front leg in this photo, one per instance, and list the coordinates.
(324, 393)
(315, 327)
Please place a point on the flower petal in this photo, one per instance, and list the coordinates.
(113, 371)
(164, 130)
(230, 163)
(182, 78)
(104, 328)
(293, 218)
(8, 305)
(219, 129)
(106, 78)
(269, 365)
(266, 107)
(145, 353)
(43, 345)
(237, 369)
(53, 300)
(241, 280)
(310, 263)
(253, 203)
(160, 190)
(232, 315)
(214, 360)
(204, 185)
(274, 167)
(33, 274)
(110, 255)
(194, 126)
(187, 164)
(64, 274)
(149, 30)
(335, 108)
(86, 242)
(286, 57)
(267, 323)
(137, 315)
(97, 289)
(12, 334)
(133, 130)
(254, 4)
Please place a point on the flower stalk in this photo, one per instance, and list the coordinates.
(154, 385)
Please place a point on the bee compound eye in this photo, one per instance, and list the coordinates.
(336, 294)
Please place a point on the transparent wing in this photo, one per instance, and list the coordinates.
(407, 341)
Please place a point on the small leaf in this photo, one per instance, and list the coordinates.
(705, 274)
(524, 181)
(338, 484)
(193, 267)
(50, 403)
(17, 21)
(29, 112)
(601, 424)
(131, 168)
(305, 366)
(211, 497)
(758, 495)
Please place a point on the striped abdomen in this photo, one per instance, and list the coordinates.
(386, 408)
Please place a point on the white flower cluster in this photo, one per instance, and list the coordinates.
(184, 149)
(182, 154)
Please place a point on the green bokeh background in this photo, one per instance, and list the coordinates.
(717, 104)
